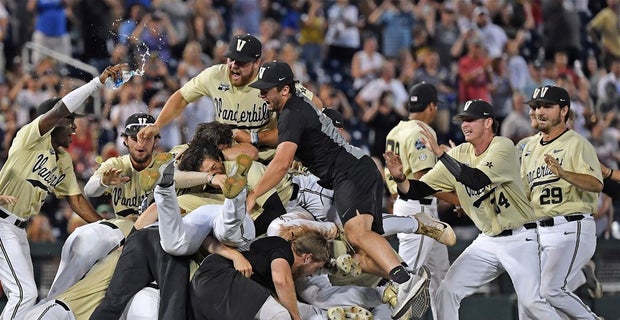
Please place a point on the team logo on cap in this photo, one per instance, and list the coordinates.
(240, 44)
(261, 71)
(467, 104)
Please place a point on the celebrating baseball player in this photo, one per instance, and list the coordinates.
(236, 104)
(484, 174)
(563, 178)
(38, 164)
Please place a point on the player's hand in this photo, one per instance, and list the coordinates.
(147, 132)
(241, 136)
(7, 199)
(447, 148)
(393, 163)
(112, 72)
(250, 201)
(429, 140)
(218, 180)
(243, 265)
(554, 165)
(114, 177)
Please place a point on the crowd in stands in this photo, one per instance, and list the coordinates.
(359, 56)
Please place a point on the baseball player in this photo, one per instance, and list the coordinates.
(127, 179)
(236, 104)
(563, 178)
(405, 140)
(38, 164)
(275, 263)
(356, 181)
(484, 174)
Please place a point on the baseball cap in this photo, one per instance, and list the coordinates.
(550, 94)
(336, 116)
(475, 109)
(137, 121)
(244, 48)
(273, 73)
(49, 104)
(421, 95)
(481, 10)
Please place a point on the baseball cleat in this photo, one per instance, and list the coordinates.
(433, 228)
(348, 312)
(160, 172)
(406, 293)
(236, 182)
(595, 289)
(345, 265)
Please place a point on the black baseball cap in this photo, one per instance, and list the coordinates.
(336, 116)
(272, 74)
(137, 121)
(550, 94)
(49, 104)
(421, 95)
(244, 48)
(475, 109)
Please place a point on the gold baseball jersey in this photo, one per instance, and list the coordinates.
(405, 140)
(193, 198)
(33, 170)
(521, 145)
(126, 197)
(550, 195)
(502, 205)
(86, 295)
(239, 107)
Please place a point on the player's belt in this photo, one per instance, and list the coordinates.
(13, 219)
(509, 232)
(62, 304)
(561, 219)
(295, 191)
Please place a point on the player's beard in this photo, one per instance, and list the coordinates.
(549, 124)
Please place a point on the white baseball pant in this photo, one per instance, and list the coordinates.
(416, 249)
(273, 310)
(318, 291)
(311, 196)
(82, 249)
(50, 310)
(143, 306)
(229, 223)
(16, 272)
(565, 248)
(485, 259)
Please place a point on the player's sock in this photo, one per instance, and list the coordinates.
(399, 274)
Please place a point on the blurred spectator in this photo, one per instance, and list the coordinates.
(39, 230)
(613, 77)
(431, 71)
(445, 33)
(178, 11)
(604, 216)
(311, 37)
(474, 73)
(366, 63)
(268, 37)
(536, 79)
(335, 99)
(493, 37)
(290, 55)
(96, 24)
(191, 64)
(562, 67)
(208, 25)
(516, 125)
(82, 148)
(156, 33)
(560, 29)
(290, 23)
(501, 90)
(4, 30)
(604, 29)
(580, 105)
(343, 34)
(246, 16)
(387, 81)
(518, 71)
(381, 117)
(396, 20)
(27, 94)
(594, 73)
(51, 26)
(135, 14)
(157, 77)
